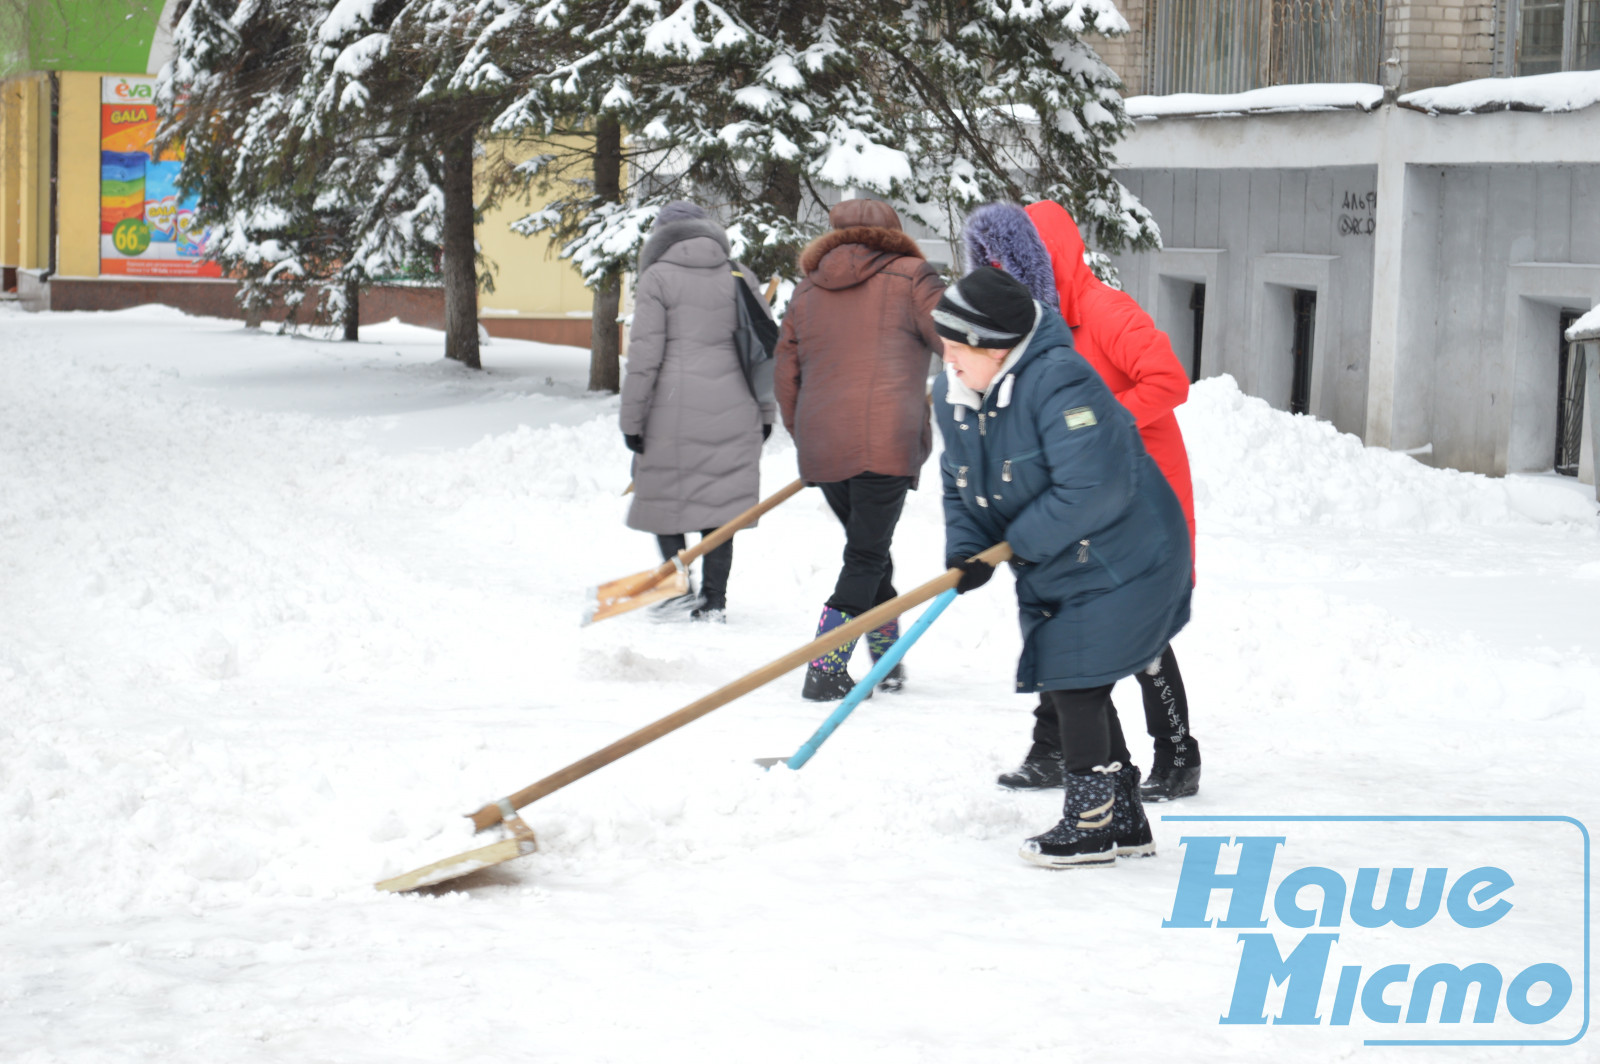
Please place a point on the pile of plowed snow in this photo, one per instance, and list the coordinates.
(1258, 467)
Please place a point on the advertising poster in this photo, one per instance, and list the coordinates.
(146, 229)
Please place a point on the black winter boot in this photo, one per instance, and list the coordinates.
(1169, 782)
(896, 680)
(1040, 770)
(1129, 826)
(1084, 838)
(824, 685)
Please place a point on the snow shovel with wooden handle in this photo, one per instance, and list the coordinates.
(504, 810)
(671, 578)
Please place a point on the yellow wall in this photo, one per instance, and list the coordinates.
(25, 174)
(10, 172)
(530, 280)
(31, 192)
(78, 176)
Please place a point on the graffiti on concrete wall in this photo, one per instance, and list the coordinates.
(1358, 214)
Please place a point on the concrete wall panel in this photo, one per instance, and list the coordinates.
(1207, 208)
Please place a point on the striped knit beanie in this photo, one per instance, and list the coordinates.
(986, 308)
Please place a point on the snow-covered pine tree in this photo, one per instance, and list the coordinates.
(297, 213)
(575, 112)
(1003, 99)
(748, 109)
(396, 100)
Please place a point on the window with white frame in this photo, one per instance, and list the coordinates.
(1554, 35)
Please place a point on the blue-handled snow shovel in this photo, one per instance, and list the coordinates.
(861, 690)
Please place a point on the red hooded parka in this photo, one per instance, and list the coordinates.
(1119, 340)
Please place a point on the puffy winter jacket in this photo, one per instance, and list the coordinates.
(852, 361)
(1048, 460)
(1132, 356)
(685, 391)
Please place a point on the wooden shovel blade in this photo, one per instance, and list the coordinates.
(619, 596)
(519, 844)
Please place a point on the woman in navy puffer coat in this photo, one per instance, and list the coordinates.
(1037, 451)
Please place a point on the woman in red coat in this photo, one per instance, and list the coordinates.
(1042, 248)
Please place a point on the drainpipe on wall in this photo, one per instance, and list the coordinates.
(1390, 78)
(55, 173)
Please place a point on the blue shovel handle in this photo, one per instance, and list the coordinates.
(861, 690)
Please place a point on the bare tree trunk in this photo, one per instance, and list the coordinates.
(605, 345)
(460, 267)
(352, 310)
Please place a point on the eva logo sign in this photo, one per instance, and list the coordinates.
(1416, 930)
(141, 92)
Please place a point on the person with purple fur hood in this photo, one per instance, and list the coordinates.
(1041, 247)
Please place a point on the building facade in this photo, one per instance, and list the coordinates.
(89, 219)
(1382, 214)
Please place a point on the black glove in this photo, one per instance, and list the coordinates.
(766, 432)
(974, 574)
(635, 443)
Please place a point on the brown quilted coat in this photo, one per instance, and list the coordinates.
(852, 362)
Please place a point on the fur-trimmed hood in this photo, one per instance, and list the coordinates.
(844, 258)
(1002, 235)
(663, 237)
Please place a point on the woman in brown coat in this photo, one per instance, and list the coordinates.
(852, 376)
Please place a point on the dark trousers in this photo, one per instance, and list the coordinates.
(1088, 730)
(1166, 715)
(868, 505)
(714, 567)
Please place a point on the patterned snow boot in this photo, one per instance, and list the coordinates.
(1129, 828)
(827, 678)
(879, 640)
(1041, 770)
(1085, 836)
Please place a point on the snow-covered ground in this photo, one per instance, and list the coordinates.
(275, 612)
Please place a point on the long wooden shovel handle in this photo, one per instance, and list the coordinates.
(710, 543)
(489, 815)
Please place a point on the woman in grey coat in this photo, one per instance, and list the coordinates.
(687, 411)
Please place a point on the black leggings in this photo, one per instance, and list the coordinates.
(1166, 714)
(1089, 732)
(714, 566)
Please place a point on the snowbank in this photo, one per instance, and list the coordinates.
(1259, 467)
(1571, 90)
(1273, 100)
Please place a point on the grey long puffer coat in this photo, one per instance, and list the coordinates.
(685, 391)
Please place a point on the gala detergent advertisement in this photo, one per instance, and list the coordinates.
(146, 228)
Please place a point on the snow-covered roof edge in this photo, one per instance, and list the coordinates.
(1276, 99)
(1571, 90)
(1586, 327)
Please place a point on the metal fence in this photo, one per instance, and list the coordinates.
(1220, 46)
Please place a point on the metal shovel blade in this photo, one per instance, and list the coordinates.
(619, 596)
(768, 762)
(520, 843)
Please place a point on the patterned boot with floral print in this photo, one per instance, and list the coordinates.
(827, 678)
